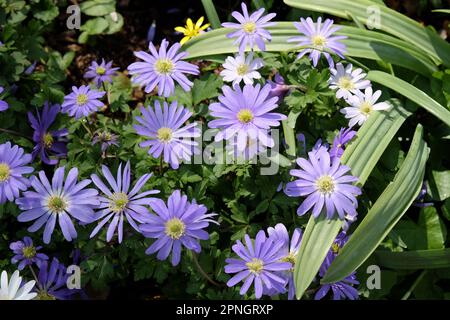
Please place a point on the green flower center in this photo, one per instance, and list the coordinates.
(175, 228)
(5, 172)
(164, 66)
(366, 108)
(319, 41)
(245, 115)
(119, 201)
(100, 71)
(291, 257)
(249, 27)
(56, 204)
(44, 295)
(29, 252)
(335, 248)
(48, 140)
(82, 99)
(242, 69)
(164, 134)
(346, 82)
(325, 184)
(255, 266)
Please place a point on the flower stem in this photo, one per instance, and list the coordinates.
(202, 272)
(34, 276)
(15, 133)
(87, 128)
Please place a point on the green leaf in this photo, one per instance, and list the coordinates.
(114, 24)
(95, 26)
(435, 231)
(439, 185)
(98, 8)
(211, 13)
(384, 214)
(412, 260)
(206, 88)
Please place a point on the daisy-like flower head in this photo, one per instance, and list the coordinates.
(47, 142)
(162, 68)
(3, 104)
(100, 73)
(318, 38)
(25, 253)
(106, 140)
(347, 81)
(245, 113)
(13, 165)
(58, 201)
(290, 250)
(251, 28)
(325, 185)
(119, 203)
(362, 105)
(179, 223)
(259, 263)
(241, 68)
(13, 289)
(52, 282)
(344, 136)
(164, 127)
(82, 101)
(191, 30)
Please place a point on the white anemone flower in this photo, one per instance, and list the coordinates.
(241, 68)
(347, 81)
(362, 105)
(13, 290)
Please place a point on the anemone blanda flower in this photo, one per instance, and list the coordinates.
(13, 289)
(120, 202)
(13, 165)
(258, 263)
(100, 73)
(168, 137)
(278, 87)
(179, 223)
(344, 136)
(58, 201)
(241, 68)
(191, 30)
(318, 38)
(252, 148)
(82, 101)
(289, 249)
(326, 185)
(25, 253)
(162, 68)
(106, 140)
(362, 105)
(47, 142)
(3, 104)
(347, 80)
(245, 113)
(52, 282)
(251, 28)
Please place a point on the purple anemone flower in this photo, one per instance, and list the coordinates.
(26, 254)
(100, 73)
(289, 249)
(318, 38)
(106, 140)
(162, 68)
(179, 223)
(47, 141)
(52, 282)
(245, 113)
(3, 104)
(326, 185)
(344, 136)
(164, 127)
(341, 289)
(119, 202)
(251, 28)
(13, 165)
(58, 201)
(82, 101)
(278, 87)
(259, 263)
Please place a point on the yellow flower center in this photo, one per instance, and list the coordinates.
(319, 41)
(100, 71)
(346, 82)
(82, 99)
(335, 248)
(56, 204)
(255, 266)
(48, 140)
(325, 184)
(5, 172)
(29, 252)
(366, 108)
(44, 295)
(249, 27)
(119, 201)
(242, 69)
(164, 66)
(164, 134)
(245, 115)
(291, 257)
(175, 228)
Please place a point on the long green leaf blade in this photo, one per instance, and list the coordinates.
(211, 13)
(413, 260)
